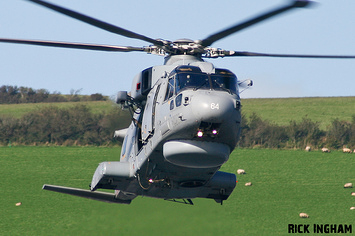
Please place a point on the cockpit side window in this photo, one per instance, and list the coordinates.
(170, 90)
(224, 80)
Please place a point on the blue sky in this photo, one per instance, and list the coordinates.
(327, 28)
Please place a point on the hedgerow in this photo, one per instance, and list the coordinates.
(77, 125)
(261, 133)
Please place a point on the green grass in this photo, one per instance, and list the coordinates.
(285, 183)
(18, 110)
(282, 110)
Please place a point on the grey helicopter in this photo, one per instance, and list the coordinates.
(186, 116)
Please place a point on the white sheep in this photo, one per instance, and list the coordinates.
(346, 150)
(325, 150)
(353, 194)
(248, 184)
(308, 149)
(352, 208)
(240, 172)
(304, 215)
(348, 185)
(18, 204)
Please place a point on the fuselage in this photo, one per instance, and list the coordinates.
(185, 130)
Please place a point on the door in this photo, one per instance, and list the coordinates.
(148, 122)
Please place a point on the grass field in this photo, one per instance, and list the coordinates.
(285, 183)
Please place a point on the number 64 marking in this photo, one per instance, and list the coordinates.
(214, 106)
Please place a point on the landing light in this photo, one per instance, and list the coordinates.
(199, 133)
(214, 132)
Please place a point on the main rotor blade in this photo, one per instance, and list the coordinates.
(109, 48)
(256, 54)
(100, 24)
(240, 26)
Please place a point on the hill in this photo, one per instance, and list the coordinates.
(318, 109)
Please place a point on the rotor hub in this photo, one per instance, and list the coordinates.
(186, 47)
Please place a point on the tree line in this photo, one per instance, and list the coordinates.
(77, 125)
(14, 95)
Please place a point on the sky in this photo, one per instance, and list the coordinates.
(326, 28)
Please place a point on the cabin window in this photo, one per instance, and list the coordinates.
(178, 100)
(172, 105)
(146, 80)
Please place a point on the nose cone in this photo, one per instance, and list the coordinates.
(213, 107)
(218, 116)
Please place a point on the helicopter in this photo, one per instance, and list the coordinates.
(186, 116)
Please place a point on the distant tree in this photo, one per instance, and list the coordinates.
(305, 133)
(97, 97)
(74, 95)
(340, 133)
(9, 130)
(13, 94)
